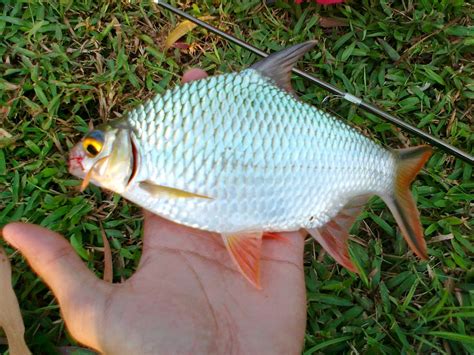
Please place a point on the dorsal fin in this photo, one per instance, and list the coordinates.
(277, 66)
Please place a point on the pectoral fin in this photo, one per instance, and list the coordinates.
(244, 249)
(170, 192)
(333, 235)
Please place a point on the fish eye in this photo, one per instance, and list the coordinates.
(93, 143)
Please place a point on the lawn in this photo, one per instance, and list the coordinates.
(66, 66)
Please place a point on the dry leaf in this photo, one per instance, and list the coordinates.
(9, 86)
(4, 134)
(183, 28)
(108, 268)
(10, 315)
(181, 45)
(328, 22)
(4, 111)
(441, 238)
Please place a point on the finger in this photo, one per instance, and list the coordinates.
(193, 74)
(10, 315)
(79, 292)
(51, 256)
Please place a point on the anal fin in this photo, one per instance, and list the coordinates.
(334, 234)
(275, 236)
(244, 249)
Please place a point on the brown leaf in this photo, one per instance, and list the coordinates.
(441, 238)
(6, 138)
(181, 45)
(183, 28)
(329, 22)
(108, 267)
(9, 86)
(4, 111)
(4, 134)
(10, 315)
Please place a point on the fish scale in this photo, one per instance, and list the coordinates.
(240, 155)
(252, 156)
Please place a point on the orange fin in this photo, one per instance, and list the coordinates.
(400, 201)
(244, 248)
(275, 236)
(333, 235)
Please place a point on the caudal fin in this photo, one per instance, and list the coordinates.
(400, 201)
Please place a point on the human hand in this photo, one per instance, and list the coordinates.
(186, 296)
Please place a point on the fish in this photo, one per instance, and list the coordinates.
(241, 155)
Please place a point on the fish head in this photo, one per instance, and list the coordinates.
(106, 157)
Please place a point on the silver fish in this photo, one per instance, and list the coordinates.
(241, 155)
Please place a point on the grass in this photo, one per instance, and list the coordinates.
(67, 65)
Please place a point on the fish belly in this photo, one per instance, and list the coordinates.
(266, 160)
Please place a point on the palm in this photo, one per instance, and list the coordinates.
(186, 295)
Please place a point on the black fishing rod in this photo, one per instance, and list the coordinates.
(332, 89)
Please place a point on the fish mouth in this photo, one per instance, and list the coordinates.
(75, 165)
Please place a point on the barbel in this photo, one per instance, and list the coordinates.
(448, 148)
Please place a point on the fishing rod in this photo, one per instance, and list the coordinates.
(332, 89)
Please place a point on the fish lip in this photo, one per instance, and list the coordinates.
(75, 166)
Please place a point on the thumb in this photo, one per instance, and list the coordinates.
(81, 295)
(193, 74)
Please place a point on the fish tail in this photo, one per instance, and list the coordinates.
(400, 200)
